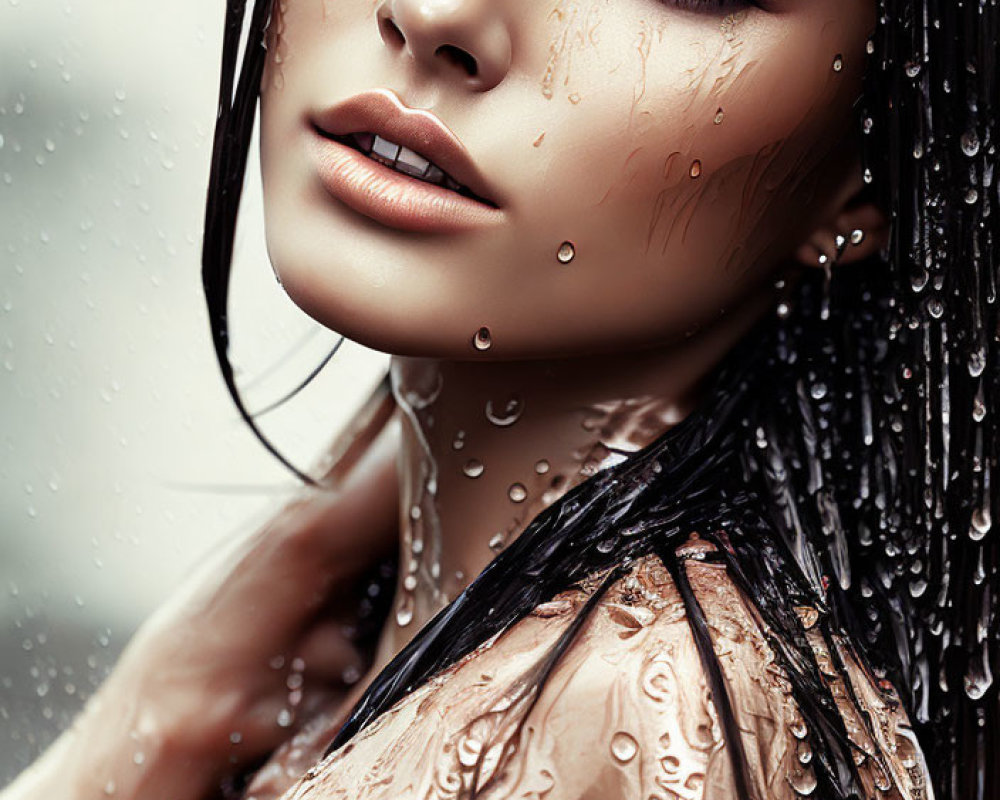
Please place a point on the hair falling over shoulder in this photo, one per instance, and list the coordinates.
(857, 454)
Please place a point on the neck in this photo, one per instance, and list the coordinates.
(487, 446)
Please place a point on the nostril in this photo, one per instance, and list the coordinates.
(459, 57)
(391, 34)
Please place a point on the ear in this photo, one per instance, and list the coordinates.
(851, 209)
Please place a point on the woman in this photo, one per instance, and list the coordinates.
(737, 470)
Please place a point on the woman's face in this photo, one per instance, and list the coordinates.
(684, 148)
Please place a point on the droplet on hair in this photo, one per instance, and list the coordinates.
(483, 340)
(970, 143)
(566, 252)
(838, 62)
(696, 168)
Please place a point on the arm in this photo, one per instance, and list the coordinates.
(204, 687)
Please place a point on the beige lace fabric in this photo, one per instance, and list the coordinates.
(626, 712)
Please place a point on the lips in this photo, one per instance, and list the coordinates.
(401, 167)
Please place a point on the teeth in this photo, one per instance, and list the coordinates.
(404, 160)
(411, 163)
(386, 149)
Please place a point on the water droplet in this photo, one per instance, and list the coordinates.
(935, 308)
(838, 62)
(981, 524)
(110, 788)
(718, 117)
(857, 236)
(970, 143)
(566, 253)
(912, 69)
(404, 615)
(624, 747)
(138, 757)
(517, 493)
(483, 340)
(696, 168)
(497, 542)
(459, 442)
(506, 414)
(235, 737)
(971, 196)
(473, 468)
(818, 391)
(285, 718)
(542, 467)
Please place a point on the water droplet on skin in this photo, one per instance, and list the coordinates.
(235, 737)
(110, 788)
(506, 414)
(483, 340)
(410, 582)
(285, 718)
(696, 168)
(459, 442)
(517, 493)
(473, 468)
(623, 747)
(838, 62)
(497, 542)
(857, 236)
(404, 616)
(718, 117)
(912, 69)
(138, 758)
(566, 252)
(542, 467)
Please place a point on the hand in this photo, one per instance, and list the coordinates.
(217, 677)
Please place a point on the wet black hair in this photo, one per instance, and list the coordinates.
(846, 456)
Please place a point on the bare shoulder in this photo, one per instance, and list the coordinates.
(623, 712)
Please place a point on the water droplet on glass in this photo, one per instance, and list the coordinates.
(566, 252)
(624, 747)
(483, 340)
(517, 493)
(473, 468)
(505, 414)
(695, 168)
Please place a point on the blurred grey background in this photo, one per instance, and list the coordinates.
(123, 461)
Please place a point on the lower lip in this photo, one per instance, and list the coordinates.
(393, 199)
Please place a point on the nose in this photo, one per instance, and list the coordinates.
(465, 40)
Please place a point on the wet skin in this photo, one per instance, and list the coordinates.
(691, 152)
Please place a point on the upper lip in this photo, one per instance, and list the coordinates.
(382, 113)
